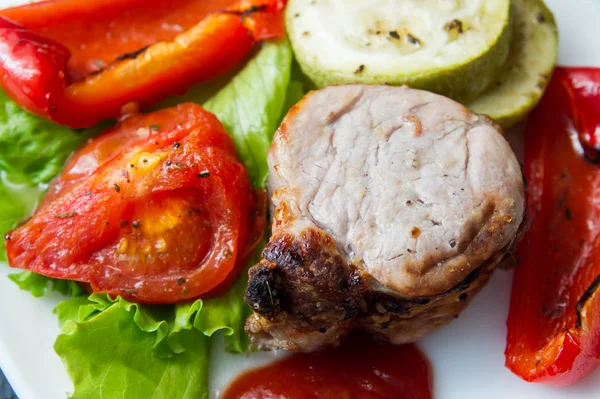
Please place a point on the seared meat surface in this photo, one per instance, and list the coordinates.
(391, 207)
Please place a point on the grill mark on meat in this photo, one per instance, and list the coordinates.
(418, 107)
(463, 125)
(333, 116)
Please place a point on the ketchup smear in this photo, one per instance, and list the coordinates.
(358, 369)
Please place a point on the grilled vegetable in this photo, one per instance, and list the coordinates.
(448, 47)
(554, 319)
(532, 57)
(66, 72)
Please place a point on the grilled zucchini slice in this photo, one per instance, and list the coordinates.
(532, 57)
(451, 47)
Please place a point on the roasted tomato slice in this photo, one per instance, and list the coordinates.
(156, 210)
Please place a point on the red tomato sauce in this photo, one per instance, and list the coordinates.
(358, 369)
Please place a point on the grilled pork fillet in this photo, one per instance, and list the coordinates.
(391, 207)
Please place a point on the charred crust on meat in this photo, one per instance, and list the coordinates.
(261, 293)
(350, 308)
(307, 275)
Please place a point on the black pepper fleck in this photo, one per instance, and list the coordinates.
(394, 35)
(117, 188)
(181, 281)
(360, 69)
(136, 224)
(203, 174)
(176, 145)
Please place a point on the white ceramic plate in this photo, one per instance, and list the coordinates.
(467, 357)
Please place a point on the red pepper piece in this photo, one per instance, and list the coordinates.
(96, 32)
(78, 75)
(24, 56)
(554, 319)
(583, 87)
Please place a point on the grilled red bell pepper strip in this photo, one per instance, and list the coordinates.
(56, 66)
(554, 319)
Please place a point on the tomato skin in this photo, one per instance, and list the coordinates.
(155, 210)
(554, 319)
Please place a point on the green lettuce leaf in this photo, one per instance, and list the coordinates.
(40, 285)
(33, 150)
(296, 90)
(110, 353)
(12, 210)
(111, 346)
(250, 105)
